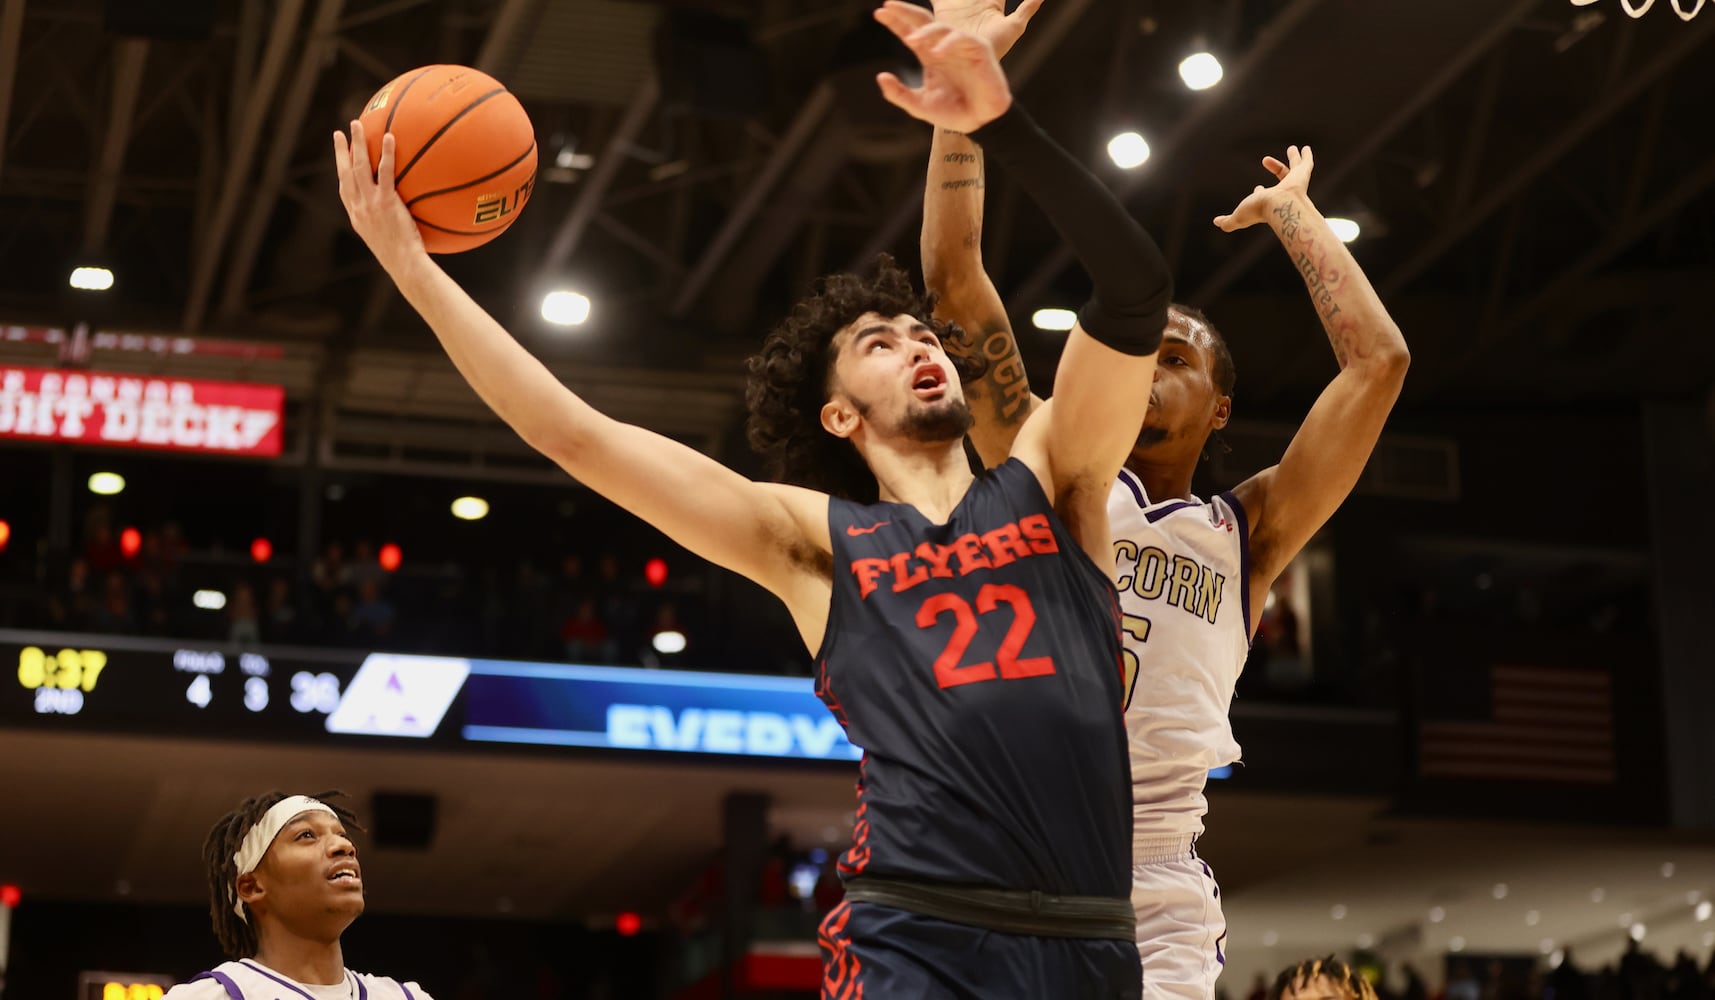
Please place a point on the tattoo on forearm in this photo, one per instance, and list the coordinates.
(960, 158)
(1006, 375)
(963, 182)
(1323, 280)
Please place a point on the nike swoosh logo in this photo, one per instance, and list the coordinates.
(854, 531)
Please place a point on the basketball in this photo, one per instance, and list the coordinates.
(464, 152)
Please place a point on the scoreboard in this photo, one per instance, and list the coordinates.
(156, 687)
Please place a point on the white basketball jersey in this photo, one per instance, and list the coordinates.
(248, 979)
(1181, 569)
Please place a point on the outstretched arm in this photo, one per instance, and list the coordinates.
(1111, 351)
(767, 532)
(1288, 503)
(952, 250)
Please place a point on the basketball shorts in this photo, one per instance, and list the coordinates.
(877, 952)
(1181, 932)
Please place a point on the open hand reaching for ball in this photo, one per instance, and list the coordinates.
(376, 211)
(963, 87)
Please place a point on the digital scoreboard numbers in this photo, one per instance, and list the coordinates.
(122, 986)
(133, 685)
(138, 686)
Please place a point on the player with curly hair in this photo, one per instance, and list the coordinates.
(964, 626)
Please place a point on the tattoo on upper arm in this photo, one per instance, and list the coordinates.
(1311, 257)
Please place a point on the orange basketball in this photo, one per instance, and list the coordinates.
(464, 152)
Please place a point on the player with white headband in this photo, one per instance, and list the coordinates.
(284, 884)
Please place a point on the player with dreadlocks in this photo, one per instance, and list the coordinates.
(284, 884)
(1325, 978)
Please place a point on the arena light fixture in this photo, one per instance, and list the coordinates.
(1200, 70)
(470, 508)
(91, 279)
(1128, 150)
(565, 308)
(209, 600)
(1703, 909)
(668, 642)
(107, 484)
(1456, 943)
(1346, 229)
(1437, 914)
(1058, 320)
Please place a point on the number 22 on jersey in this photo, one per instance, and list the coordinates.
(948, 672)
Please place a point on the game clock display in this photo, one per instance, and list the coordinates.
(130, 685)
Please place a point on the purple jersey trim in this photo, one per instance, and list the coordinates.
(225, 982)
(1131, 483)
(1156, 515)
(259, 970)
(407, 991)
(1244, 559)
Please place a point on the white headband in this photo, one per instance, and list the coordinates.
(259, 837)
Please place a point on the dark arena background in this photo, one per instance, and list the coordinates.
(256, 532)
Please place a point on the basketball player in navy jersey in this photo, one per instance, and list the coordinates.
(964, 627)
(284, 884)
(1193, 573)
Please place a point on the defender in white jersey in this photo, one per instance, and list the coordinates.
(284, 884)
(1192, 573)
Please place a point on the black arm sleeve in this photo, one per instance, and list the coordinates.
(1133, 288)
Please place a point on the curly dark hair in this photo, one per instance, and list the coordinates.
(791, 377)
(237, 937)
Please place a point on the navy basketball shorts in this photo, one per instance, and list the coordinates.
(876, 952)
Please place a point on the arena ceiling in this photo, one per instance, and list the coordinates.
(1534, 179)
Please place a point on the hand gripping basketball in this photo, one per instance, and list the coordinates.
(375, 209)
(963, 88)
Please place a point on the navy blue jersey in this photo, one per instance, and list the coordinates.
(977, 663)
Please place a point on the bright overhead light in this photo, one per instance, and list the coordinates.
(1128, 150)
(1532, 918)
(1703, 909)
(1500, 890)
(565, 308)
(1667, 869)
(470, 508)
(1638, 931)
(1058, 320)
(209, 600)
(669, 642)
(1338, 912)
(1366, 940)
(1558, 957)
(1547, 947)
(106, 484)
(1270, 939)
(1345, 229)
(1597, 895)
(1456, 944)
(1437, 914)
(1200, 71)
(91, 279)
